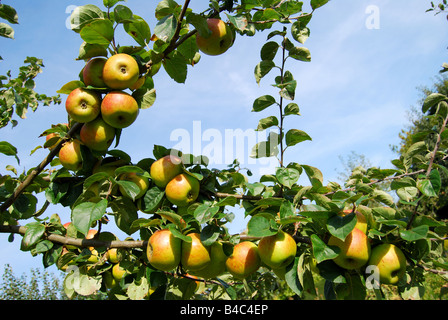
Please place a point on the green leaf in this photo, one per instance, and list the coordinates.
(262, 225)
(262, 69)
(300, 32)
(176, 67)
(292, 277)
(70, 86)
(99, 32)
(383, 196)
(292, 109)
(300, 54)
(204, 213)
(83, 15)
(87, 51)
(9, 13)
(263, 102)
(266, 123)
(407, 193)
(84, 214)
(318, 3)
(33, 233)
(9, 150)
(314, 174)
(166, 28)
(125, 213)
(152, 200)
(415, 234)
(287, 176)
(341, 226)
(165, 8)
(295, 136)
(321, 251)
(287, 210)
(6, 31)
(123, 14)
(139, 30)
(269, 50)
(264, 149)
(432, 100)
(199, 22)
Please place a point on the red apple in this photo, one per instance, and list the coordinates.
(92, 73)
(355, 250)
(164, 250)
(119, 109)
(97, 134)
(83, 105)
(120, 71)
(244, 260)
(220, 40)
(70, 155)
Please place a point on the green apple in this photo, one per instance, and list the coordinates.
(83, 105)
(109, 280)
(119, 109)
(164, 250)
(361, 222)
(92, 73)
(182, 190)
(391, 263)
(244, 260)
(141, 181)
(70, 155)
(217, 265)
(278, 250)
(165, 169)
(355, 250)
(220, 39)
(97, 134)
(120, 71)
(195, 256)
(118, 272)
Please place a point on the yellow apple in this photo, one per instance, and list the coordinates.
(70, 155)
(195, 256)
(118, 272)
(355, 250)
(97, 135)
(361, 221)
(391, 263)
(278, 250)
(83, 105)
(120, 71)
(217, 265)
(164, 250)
(165, 169)
(141, 181)
(182, 190)
(113, 255)
(244, 260)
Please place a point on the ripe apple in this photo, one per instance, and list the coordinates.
(92, 73)
(220, 40)
(164, 250)
(120, 71)
(119, 109)
(182, 190)
(244, 260)
(118, 272)
(113, 255)
(278, 250)
(361, 223)
(97, 134)
(195, 256)
(391, 262)
(83, 105)
(70, 155)
(355, 250)
(217, 265)
(141, 181)
(165, 169)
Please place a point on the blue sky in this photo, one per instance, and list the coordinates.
(353, 96)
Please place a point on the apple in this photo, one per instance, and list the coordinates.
(70, 155)
(119, 109)
(97, 134)
(195, 256)
(361, 223)
(217, 265)
(164, 250)
(113, 255)
(355, 250)
(141, 181)
(118, 272)
(220, 40)
(165, 169)
(109, 280)
(120, 71)
(182, 190)
(92, 73)
(83, 105)
(278, 250)
(244, 260)
(391, 263)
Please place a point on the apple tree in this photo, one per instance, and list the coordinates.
(356, 238)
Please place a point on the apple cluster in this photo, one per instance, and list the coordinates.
(356, 252)
(102, 105)
(166, 252)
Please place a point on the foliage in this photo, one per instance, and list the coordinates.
(311, 213)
